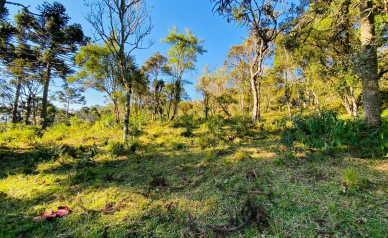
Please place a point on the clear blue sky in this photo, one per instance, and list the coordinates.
(196, 15)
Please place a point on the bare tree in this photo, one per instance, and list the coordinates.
(122, 25)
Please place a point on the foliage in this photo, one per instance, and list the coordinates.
(241, 125)
(328, 131)
(20, 133)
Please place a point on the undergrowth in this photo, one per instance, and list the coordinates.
(225, 178)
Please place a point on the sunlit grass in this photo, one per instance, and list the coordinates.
(208, 182)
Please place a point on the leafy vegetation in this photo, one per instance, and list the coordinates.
(288, 138)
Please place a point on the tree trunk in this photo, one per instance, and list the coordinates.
(34, 109)
(368, 65)
(206, 104)
(177, 98)
(347, 105)
(287, 95)
(127, 113)
(225, 109)
(67, 111)
(169, 108)
(28, 111)
(43, 114)
(155, 113)
(354, 102)
(117, 112)
(256, 106)
(307, 94)
(16, 101)
(316, 101)
(2, 7)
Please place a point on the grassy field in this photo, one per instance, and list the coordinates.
(169, 185)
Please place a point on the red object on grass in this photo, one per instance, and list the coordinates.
(51, 215)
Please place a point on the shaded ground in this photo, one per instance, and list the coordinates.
(150, 189)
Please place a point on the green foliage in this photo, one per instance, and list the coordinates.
(106, 122)
(183, 53)
(214, 126)
(115, 148)
(328, 131)
(20, 133)
(56, 133)
(241, 125)
(188, 122)
(136, 122)
(75, 121)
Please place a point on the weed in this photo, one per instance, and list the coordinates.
(351, 177)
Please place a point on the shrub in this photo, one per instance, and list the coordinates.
(20, 133)
(325, 130)
(106, 121)
(241, 125)
(55, 133)
(214, 126)
(75, 121)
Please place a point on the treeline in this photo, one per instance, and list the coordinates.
(297, 58)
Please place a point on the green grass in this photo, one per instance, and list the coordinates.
(152, 189)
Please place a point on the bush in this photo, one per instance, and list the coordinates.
(241, 125)
(107, 121)
(20, 133)
(75, 121)
(55, 133)
(325, 130)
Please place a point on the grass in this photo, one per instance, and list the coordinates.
(150, 191)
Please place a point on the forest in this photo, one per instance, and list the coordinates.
(288, 137)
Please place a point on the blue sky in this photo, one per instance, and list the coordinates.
(218, 35)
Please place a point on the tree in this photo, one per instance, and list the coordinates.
(205, 86)
(369, 65)
(185, 106)
(70, 96)
(122, 25)
(154, 67)
(224, 101)
(181, 58)
(30, 90)
(99, 72)
(262, 19)
(238, 70)
(55, 40)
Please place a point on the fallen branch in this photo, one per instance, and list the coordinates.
(227, 229)
(192, 226)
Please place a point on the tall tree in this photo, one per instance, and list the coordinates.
(155, 66)
(55, 40)
(262, 18)
(70, 96)
(368, 64)
(99, 72)
(181, 58)
(122, 25)
(206, 87)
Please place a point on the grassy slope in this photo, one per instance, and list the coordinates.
(207, 182)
